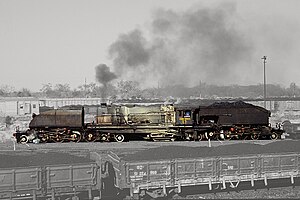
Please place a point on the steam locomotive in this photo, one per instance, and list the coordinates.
(218, 121)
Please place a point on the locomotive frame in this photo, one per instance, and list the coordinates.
(219, 121)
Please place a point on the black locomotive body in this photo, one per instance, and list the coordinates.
(237, 113)
(58, 119)
(240, 120)
(224, 120)
(54, 125)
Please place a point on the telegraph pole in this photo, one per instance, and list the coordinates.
(85, 94)
(265, 87)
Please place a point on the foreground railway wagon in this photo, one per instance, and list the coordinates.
(169, 177)
(151, 173)
(51, 181)
(58, 179)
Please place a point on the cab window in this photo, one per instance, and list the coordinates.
(187, 114)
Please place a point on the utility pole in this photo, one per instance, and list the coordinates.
(200, 87)
(158, 89)
(85, 93)
(265, 87)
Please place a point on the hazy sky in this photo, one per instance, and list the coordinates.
(151, 41)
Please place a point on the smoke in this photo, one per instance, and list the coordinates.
(184, 48)
(104, 75)
(130, 50)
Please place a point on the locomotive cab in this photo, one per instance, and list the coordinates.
(186, 115)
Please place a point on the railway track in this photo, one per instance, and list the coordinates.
(125, 146)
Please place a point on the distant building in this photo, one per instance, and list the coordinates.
(15, 106)
(22, 106)
(60, 102)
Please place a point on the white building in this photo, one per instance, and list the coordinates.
(14, 106)
(20, 106)
(60, 102)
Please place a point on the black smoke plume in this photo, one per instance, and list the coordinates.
(130, 50)
(104, 75)
(183, 48)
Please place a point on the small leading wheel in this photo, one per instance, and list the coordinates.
(274, 136)
(23, 139)
(119, 138)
